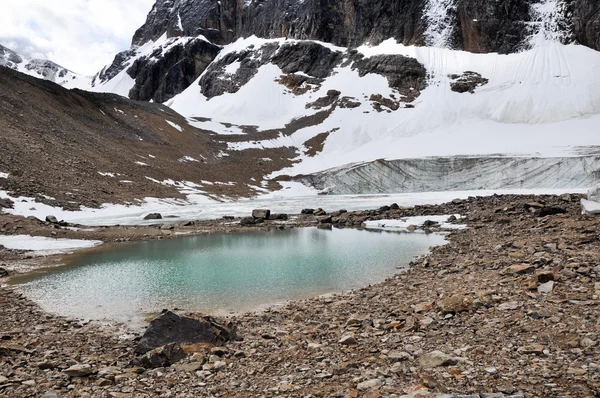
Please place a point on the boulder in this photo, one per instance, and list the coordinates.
(51, 219)
(283, 217)
(153, 216)
(162, 357)
(307, 211)
(261, 213)
(3, 272)
(172, 328)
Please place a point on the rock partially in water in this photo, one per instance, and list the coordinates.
(172, 328)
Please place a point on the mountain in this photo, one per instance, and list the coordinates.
(350, 97)
(41, 68)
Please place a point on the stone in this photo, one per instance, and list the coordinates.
(261, 213)
(348, 339)
(218, 365)
(153, 216)
(320, 212)
(455, 303)
(586, 342)
(511, 305)
(398, 356)
(307, 211)
(546, 287)
(189, 367)
(51, 219)
(373, 384)
(279, 216)
(536, 349)
(171, 328)
(80, 370)
(248, 221)
(518, 269)
(162, 357)
(3, 272)
(51, 394)
(436, 359)
(422, 307)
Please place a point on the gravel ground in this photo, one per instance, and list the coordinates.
(509, 308)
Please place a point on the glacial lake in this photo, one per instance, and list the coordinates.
(218, 274)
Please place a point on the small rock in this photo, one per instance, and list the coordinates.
(220, 365)
(372, 384)
(51, 394)
(348, 339)
(546, 287)
(511, 305)
(51, 219)
(398, 356)
(422, 307)
(189, 367)
(307, 211)
(435, 359)
(536, 349)
(454, 304)
(586, 342)
(80, 370)
(518, 269)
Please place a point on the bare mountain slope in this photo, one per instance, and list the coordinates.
(77, 147)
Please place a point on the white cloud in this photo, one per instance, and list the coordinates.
(81, 35)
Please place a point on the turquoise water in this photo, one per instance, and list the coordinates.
(221, 273)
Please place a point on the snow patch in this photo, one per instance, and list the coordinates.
(174, 125)
(188, 159)
(417, 221)
(4, 175)
(45, 246)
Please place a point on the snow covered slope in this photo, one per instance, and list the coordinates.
(42, 69)
(338, 106)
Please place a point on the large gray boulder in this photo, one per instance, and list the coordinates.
(172, 328)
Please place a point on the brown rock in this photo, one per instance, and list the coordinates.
(456, 303)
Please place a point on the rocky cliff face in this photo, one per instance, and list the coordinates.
(479, 25)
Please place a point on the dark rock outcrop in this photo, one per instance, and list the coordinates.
(404, 74)
(467, 82)
(171, 328)
(162, 76)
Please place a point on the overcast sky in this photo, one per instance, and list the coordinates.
(81, 35)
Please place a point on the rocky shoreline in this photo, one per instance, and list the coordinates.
(509, 308)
